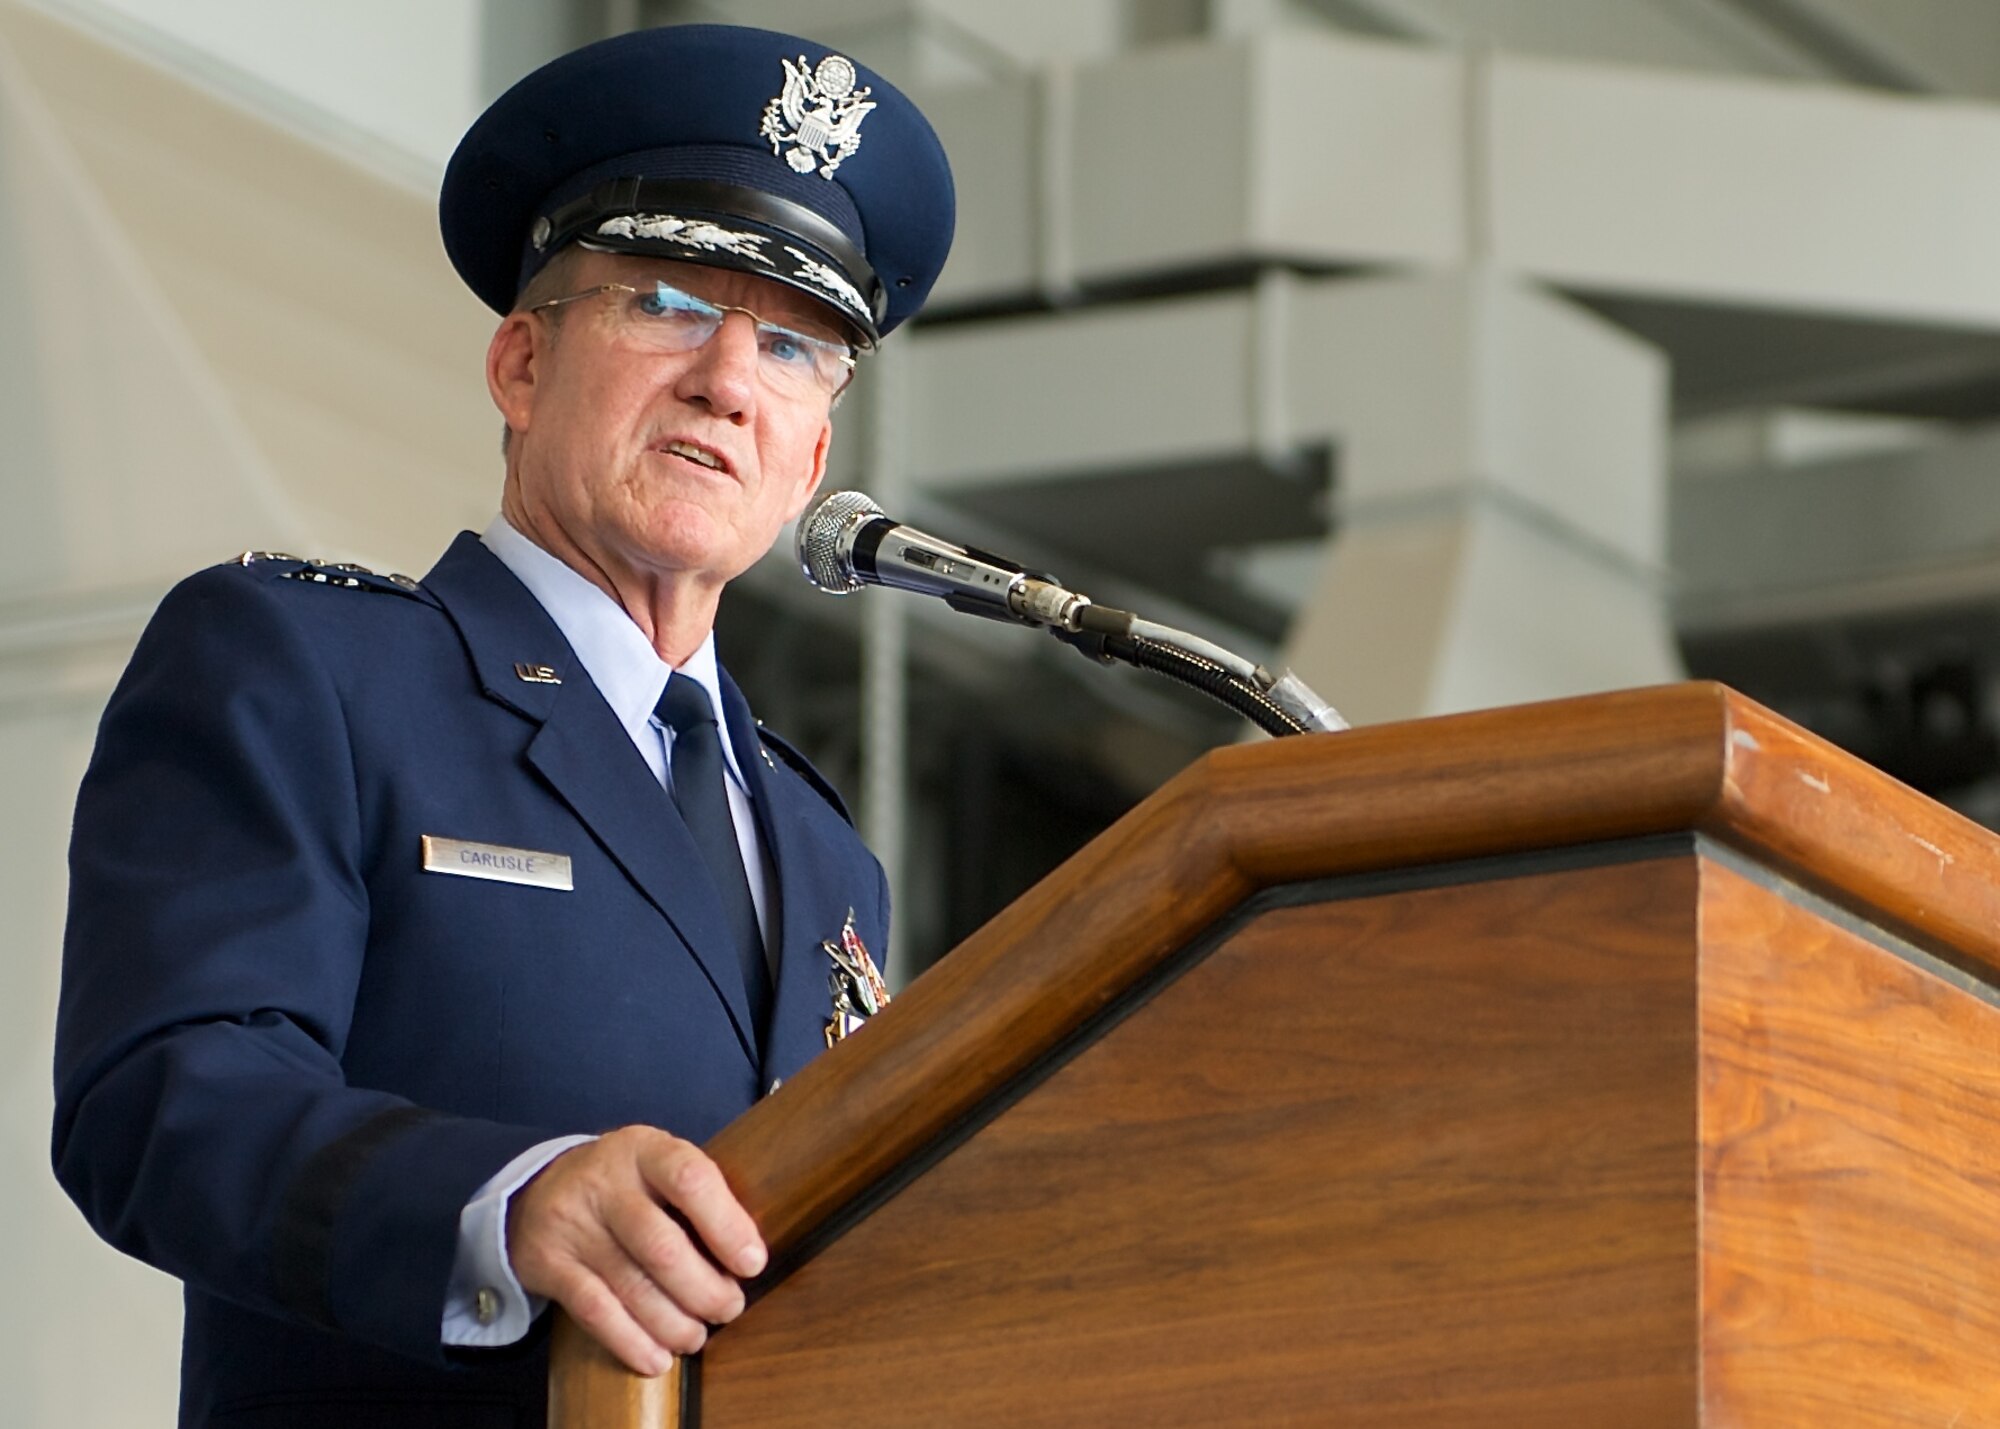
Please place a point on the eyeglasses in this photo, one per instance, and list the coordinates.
(663, 318)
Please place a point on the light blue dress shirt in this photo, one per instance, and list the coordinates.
(629, 673)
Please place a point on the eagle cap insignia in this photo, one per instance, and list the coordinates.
(818, 115)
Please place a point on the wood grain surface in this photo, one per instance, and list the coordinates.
(1536, 776)
(588, 1389)
(1687, 758)
(1850, 1113)
(1852, 833)
(1412, 1159)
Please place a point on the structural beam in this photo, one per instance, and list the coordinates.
(1325, 152)
(1874, 532)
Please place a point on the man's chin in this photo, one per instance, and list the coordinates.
(688, 542)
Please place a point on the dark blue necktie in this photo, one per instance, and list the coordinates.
(703, 801)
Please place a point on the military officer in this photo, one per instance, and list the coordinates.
(421, 930)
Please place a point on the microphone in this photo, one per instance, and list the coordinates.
(846, 542)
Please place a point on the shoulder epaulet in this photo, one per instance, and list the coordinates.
(802, 766)
(342, 575)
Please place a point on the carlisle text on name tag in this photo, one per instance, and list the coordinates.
(497, 862)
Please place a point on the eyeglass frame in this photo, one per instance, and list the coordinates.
(848, 359)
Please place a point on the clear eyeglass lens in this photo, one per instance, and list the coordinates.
(671, 320)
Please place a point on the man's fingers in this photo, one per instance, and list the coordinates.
(605, 1316)
(600, 1284)
(596, 1230)
(682, 1175)
(661, 1254)
(667, 1317)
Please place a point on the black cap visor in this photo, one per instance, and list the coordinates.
(722, 226)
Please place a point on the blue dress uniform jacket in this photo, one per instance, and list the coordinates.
(287, 1055)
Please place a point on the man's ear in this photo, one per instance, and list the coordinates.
(513, 366)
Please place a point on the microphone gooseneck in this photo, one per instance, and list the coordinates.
(846, 541)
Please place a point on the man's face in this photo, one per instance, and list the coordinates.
(602, 429)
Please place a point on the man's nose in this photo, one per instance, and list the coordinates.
(724, 371)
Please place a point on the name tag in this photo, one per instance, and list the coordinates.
(497, 862)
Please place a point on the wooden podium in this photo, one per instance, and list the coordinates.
(1619, 1061)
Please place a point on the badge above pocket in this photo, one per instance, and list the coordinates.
(497, 862)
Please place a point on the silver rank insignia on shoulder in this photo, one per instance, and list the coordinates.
(858, 989)
(537, 674)
(344, 574)
(819, 114)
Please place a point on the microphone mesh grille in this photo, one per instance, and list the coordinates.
(819, 543)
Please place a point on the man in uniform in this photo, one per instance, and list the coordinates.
(420, 931)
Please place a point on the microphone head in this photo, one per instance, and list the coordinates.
(825, 540)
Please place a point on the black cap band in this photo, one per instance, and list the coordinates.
(580, 218)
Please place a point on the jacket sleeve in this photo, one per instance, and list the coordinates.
(218, 924)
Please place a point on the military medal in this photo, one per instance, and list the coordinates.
(855, 983)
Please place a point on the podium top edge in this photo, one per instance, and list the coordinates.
(1695, 757)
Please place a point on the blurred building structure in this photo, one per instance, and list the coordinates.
(1455, 352)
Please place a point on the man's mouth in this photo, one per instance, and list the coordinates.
(703, 455)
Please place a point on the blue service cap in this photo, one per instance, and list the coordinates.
(738, 148)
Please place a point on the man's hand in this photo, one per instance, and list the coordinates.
(592, 1233)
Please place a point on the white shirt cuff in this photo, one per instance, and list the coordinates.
(484, 1305)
